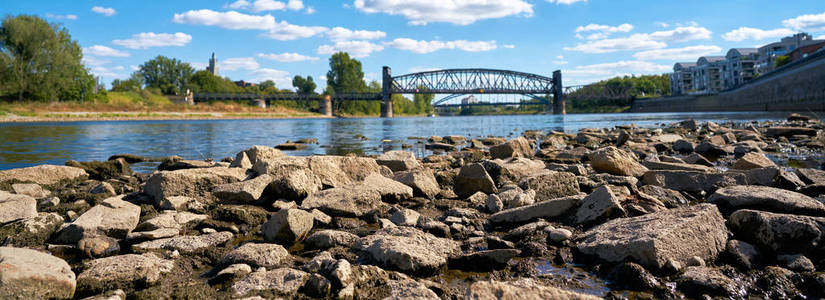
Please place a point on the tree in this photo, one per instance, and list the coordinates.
(303, 86)
(40, 61)
(133, 84)
(205, 82)
(170, 75)
(345, 74)
(266, 85)
(782, 60)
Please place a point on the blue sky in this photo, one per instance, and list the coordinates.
(257, 40)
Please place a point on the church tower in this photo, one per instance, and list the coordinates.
(213, 65)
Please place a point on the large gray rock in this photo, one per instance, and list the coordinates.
(30, 274)
(699, 280)
(752, 161)
(128, 272)
(248, 191)
(113, 217)
(616, 161)
(282, 281)
(421, 181)
(258, 255)
(811, 176)
(407, 249)
(654, 165)
(398, 160)
(514, 170)
(259, 153)
(171, 219)
(653, 239)
(43, 174)
(30, 189)
(522, 289)
(599, 205)
(293, 182)
(197, 183)
(16, 207)
(779, 232)
(518, 147)
(347, 202)
(551, 185)
(693, 181)
(185, 244)
(473, 178)
(390, 190)
(545, 209)
(288, 226)
(766, 198)
(324, 239)
(32, 232)
(337, 171)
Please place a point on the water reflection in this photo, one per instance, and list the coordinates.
(26, 144)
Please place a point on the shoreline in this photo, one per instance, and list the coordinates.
(161, 116)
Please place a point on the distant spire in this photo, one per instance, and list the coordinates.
(213, 65)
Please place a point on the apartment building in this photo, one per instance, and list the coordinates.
(770, 52)
(707, 74)
(681, 81)
(741, 66)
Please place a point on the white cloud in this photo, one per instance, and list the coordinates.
(145, 40)
(266, 5)
(421, 12)
(106, 11)
(357, 49)
(633, 42)
(560, 62)
(422, 47)
(135, 68)
(821, 37)
(682, 34)
(663, 24)
(508, 46)
(287, 57)
(746, 33)
(565, 2)
(281, 78)
(605, 28)
(310, 10)
(342, 34)
(295, 5)
(199, 65)
(61, 17)
(813, 23)
(104, 51)
(94, 61)
(284, 31)
(686, 53)
(616, 68)
(105, 72)
(238, 63)
(228, 20)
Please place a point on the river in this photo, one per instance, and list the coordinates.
(27, 144)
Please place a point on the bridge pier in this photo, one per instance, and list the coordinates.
(325, 105)
(259, 103)
(558, 94)
(386, 97)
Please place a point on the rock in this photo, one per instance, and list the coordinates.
(30, 189)
(421, 181)
(324, 239)
(753, 161)
(49, 202)
(232, 272)
(599, 205)
(293, 182)
(516, 197)
(743, 254)
(551, 185)
(43, 174)
(185, 244)
(652, 239)
(196, 183)
(261, 153)
(493, 203)
(248, 191)
(405, 217)
(778, 232)
(320, 217)
(698, 281)
(291, 146)
(616, 161)
(407, 249)
(796, 262)
(258, 255)
(398, 160)
(809, 176)
(676, 166)
(518, 147)
(31, 232)
(439, 146)
(347, 202)
(171, 219)
(175, 202)
(668, 197)
(113, 217)
(455, 139)
(522, 289)
(182, 164)
(545, 209)
(473, 178)
(128, 272)
(693, 181)
(789, 131)
(390, 190)
(484, 261)
(26, 273)
(690, 124)
(104, 188)
(282, 281)
(98, 246)
(103, 170)
(288, 226)
(766, 198)
(711, 149)
(683, 146)
(241, 161)
(338, 171)
(634, 277)
(697, 159)
(16, 207)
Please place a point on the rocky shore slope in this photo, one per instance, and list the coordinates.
(689, 209)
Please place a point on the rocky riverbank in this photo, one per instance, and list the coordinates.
(686, 210)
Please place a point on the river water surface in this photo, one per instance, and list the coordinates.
(27, 144)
